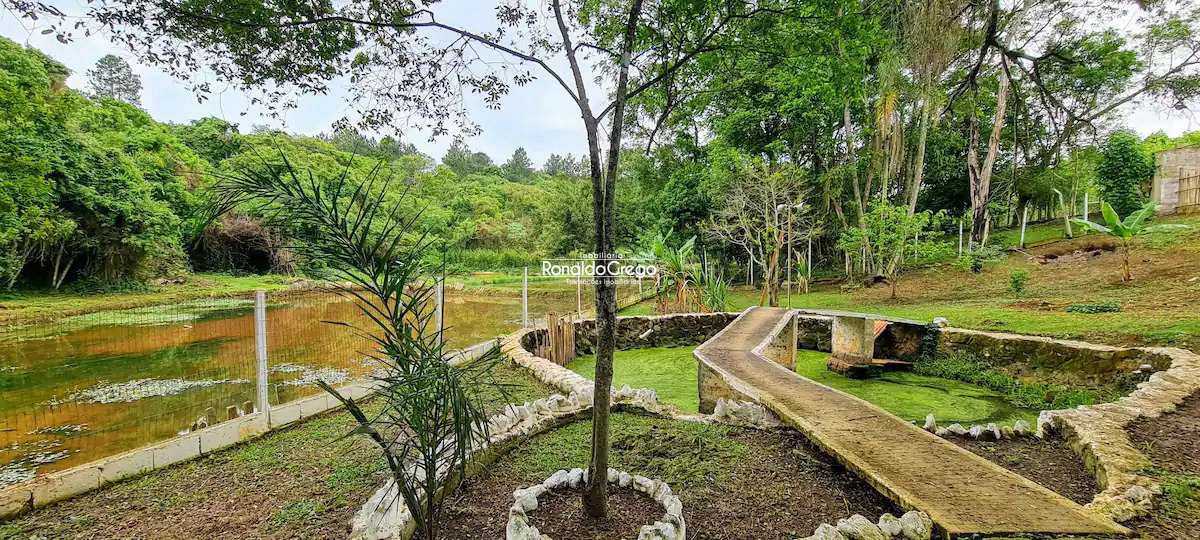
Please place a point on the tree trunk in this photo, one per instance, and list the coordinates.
(981, 175)
(914, 188)
(595, 497)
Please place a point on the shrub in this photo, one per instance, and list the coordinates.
(1018, 280)
(1097, 307)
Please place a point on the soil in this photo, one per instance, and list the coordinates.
(1172, 442)
(560, 515)
(776, 486)
(1050, 463)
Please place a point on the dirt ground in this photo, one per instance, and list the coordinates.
(735, 484)
(1172, 442)
(1050, 463)
(560, 515)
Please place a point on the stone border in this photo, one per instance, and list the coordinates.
(670, 527)
(60, 485)
(910, 526)
(990, 431)
(1097, 433)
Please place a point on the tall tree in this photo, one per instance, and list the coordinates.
(408, 64)
(519, 167)
(113, 78)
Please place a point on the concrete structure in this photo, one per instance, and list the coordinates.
(963, 493)
(853, 345)
(1170, 167)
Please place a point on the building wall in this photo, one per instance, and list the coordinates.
(1170, 166)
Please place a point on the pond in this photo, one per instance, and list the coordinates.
(90, 386)
(672, 373)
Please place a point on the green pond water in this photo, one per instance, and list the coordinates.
(672, 373)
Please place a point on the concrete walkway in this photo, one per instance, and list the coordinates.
(963, 493)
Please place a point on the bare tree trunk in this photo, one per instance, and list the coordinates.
(981, 175)
(914, 188)
(595, 497)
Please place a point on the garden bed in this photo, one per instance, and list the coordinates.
(1049, 462)
(734, 483)
(1172, 442)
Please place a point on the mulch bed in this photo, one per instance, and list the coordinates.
(1049, 462)
(560, 515)
(1172, 442)
(779, 487)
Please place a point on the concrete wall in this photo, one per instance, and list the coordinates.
(1170, 165)
(77, 480)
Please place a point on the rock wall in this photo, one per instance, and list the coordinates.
(1086, 363)
(654, 331)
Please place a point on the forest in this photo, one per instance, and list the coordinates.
(917, 107)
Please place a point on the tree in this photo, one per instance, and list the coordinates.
(463, 161)
(113, 78)
(407, 63)
(518, 168)
(892, 235)
(567, 165)
(753, 216)
(1123, 167)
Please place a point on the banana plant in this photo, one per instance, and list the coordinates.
(1124, 230)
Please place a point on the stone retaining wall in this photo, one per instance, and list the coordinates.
(1087, 363)
(1097, 433)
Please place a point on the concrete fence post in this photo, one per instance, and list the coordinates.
(1024, 219)
(260, 351)
(525, 299)
(579, 293)
(440, 310)
(1085, 205)
(960, 237)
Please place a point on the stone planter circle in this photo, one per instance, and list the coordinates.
(670, 527)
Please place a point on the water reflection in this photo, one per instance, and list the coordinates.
(92, 386)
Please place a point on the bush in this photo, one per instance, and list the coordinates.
(975, 260)
(1097, 307)
(1018, 280)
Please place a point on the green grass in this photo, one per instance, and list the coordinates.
(671, 371)
(1029, 394)
(912, 396)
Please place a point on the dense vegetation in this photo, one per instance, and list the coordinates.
(796, 140)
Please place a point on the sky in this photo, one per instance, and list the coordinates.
(539, 116)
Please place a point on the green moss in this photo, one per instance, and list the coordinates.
(1034, 395)
(671, 371)
(911, 396)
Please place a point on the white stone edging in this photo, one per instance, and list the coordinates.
(910, 526)
(670, 527)
(1097, 433)
(989, 431)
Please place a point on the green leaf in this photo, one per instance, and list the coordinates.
(1086, 224)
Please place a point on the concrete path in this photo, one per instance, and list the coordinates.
(963, 493)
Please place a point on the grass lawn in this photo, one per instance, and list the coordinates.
(911, 396)
(305, 481)
(671, 371)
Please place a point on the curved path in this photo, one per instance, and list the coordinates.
(963, 493)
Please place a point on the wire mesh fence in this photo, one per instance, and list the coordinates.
(89, 386)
